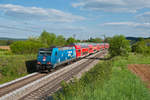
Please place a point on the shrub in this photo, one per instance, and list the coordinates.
(26, 47)
(89, 81)
(141, 47)
(119, 46)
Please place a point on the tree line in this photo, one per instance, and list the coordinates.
(45, 40)
(119, 45)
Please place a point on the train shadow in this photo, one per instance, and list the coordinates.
(99, 58)
(31, 66)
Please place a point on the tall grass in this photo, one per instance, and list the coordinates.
(13, 66)
(108, 80)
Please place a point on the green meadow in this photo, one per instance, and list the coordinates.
(108, 80)
(14, 66)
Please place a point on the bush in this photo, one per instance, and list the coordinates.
(141, 47)
(89, 81)
(26, 47)
(119, 46)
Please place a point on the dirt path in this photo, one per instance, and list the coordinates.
(141, 70)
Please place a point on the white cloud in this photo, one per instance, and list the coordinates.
(113, 5)
(145, 17)
(128, 24)
(121, 23)
(31, 13)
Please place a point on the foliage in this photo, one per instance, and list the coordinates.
(142, 47)
(107, 39)
(26, 47)
(88, 81)
(119, 46)
(50, 39)
(60, 41)
(78, 41)
(108, 80)
(71, 40)
(5, 52)
(95, 40)
(47, 38)
(6, 42)
(13, 66)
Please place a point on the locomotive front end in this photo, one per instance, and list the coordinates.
(44, 59)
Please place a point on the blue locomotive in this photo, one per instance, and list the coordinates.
(49, 58)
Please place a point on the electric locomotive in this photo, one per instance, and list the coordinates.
(49, 58)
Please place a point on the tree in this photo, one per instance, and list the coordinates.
(47, 38)
(107, 39)
(9, 42)
(60, 41)
(78, 41)
(142, 47)
(94, 40)
(141, 39)
(71, 40)
(97, 40)
(119, 46)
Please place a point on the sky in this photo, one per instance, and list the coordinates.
(80, 18)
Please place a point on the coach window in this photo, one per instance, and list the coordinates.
(79, 50)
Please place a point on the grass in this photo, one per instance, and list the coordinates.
(5, 52)
(108, 80)
(13, 66)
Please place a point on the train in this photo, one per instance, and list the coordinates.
(50, 58)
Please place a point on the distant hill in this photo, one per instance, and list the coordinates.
(135, 39)
(15, 39)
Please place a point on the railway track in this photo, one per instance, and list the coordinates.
(43, 92)
(9, 88)
(51, 82)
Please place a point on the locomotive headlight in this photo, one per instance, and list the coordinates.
(38, 62)
(48, 63)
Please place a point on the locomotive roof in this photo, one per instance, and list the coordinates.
(60, 48)
(45, 49)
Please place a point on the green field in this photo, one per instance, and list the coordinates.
(15, 66)
(108, 80)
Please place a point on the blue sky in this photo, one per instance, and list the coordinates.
(84, 18)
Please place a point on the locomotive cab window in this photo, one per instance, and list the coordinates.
(45, 53)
